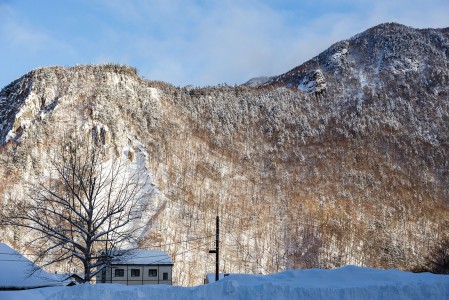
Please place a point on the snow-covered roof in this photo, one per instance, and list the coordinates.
(16, 272)
(141, 257)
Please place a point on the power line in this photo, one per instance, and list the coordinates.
(177, 254)
(247, 254)
(189, 240)
(192, 249)
(239, 245)
(162, 245)
(131, 256)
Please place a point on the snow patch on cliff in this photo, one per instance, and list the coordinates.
(149, 196)
(404, 66)
(313, 82)
(258, 81)
(154, 94)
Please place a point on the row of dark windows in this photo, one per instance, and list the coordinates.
(136, 273)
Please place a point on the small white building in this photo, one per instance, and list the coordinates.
(138, 267)
(210, 277)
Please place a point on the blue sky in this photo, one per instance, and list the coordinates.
(202, 42)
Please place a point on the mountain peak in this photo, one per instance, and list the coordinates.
(21, 107)
(393, 47)
(389, 26)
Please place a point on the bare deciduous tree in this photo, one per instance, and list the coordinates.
(88, 205)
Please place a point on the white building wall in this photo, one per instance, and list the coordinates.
(164, 275)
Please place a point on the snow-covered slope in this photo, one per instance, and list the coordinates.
(340, 284)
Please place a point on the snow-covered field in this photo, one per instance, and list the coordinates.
(344, 283)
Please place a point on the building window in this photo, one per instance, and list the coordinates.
(135, 273)
(119, 273)
(152, 273)
(165, 276)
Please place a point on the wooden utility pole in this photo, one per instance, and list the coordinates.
(217, 249)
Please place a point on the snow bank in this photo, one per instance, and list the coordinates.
(344, 283)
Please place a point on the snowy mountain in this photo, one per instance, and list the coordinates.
(342, 160)
(377, 56)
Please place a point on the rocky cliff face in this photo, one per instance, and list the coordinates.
(342, 160)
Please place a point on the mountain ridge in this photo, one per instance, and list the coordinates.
(334, 59)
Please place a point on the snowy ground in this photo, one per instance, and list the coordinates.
(344, 283)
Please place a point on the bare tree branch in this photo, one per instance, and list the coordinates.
(87, 205)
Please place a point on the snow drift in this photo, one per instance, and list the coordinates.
(344, 283)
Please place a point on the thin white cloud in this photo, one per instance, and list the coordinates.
(234, 41)
(224, 42)
(419, 14)
(26, 46)
(206, 42)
